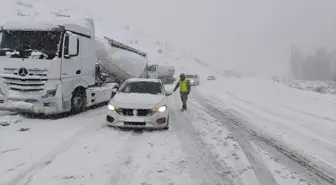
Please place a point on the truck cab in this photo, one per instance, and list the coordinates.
(49, 67)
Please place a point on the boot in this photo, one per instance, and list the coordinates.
(184, 107)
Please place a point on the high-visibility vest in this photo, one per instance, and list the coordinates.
(183, 85)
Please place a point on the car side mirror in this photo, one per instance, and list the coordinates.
(73, 45)
(168, 93)
(115, 89)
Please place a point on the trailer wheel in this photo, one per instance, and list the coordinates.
(78, 101)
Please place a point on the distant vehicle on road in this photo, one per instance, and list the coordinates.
(139, 103)
(194, 79)
(211, 78)
(164, 72)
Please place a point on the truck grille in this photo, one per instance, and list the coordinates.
(34, 81)
(130, 112)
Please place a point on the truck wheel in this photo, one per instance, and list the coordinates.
(78, 101)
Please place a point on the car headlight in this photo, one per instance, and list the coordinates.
(112, 107)
(160, 109)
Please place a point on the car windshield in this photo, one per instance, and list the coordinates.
(45, 42)
(142, 87)
(190, 76)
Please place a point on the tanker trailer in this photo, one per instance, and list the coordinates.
(119, 60)
(164, 72)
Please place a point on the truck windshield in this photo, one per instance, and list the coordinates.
(142, 87)
(45, 42)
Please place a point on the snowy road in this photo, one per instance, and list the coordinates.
(81, 150)
(204, 145)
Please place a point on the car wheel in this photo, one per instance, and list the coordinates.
(167, 127)
(78, 101)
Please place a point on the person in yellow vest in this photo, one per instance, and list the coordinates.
(185, 88)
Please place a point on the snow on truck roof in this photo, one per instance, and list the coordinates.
(83, 25)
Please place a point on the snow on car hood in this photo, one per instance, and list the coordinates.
(137, 101)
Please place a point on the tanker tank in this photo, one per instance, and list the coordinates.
(160, 70)
(122, 61)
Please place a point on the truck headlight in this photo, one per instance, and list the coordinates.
(50, 93)
(112, 107)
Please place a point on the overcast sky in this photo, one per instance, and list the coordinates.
(250, 35)
(246, 34)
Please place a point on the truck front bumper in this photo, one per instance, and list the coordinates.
(31, 104)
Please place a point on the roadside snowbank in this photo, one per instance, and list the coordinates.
(323, 87)
(303, 120)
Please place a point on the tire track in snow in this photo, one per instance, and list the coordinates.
(307, 134)
(26, 175)
(322, 171)
(307, 113)
(198, 153)
(263, 174)
(122, 169)
(320, 175)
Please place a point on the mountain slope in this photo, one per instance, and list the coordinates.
(106, 25)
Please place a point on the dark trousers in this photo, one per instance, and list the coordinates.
(184, 98)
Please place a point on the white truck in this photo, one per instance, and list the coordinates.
(164, 72)
(56, 66)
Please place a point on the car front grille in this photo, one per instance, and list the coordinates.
(134, 112)
(127, 112)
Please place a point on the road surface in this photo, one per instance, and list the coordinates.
(204, 145)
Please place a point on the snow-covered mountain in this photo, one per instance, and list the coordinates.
(106, 25)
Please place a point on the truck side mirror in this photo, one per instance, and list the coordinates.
(73, 45)
(104, 75)
(0, 34)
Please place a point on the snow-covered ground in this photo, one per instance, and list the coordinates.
(245, 131)
(323, 87)
(300, 122)
(199, 148)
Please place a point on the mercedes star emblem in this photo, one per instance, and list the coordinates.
(23, 72)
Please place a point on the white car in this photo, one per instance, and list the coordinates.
(211, 78)
(139, 103)
(194, 79)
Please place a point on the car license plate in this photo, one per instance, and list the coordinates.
(134, 119)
